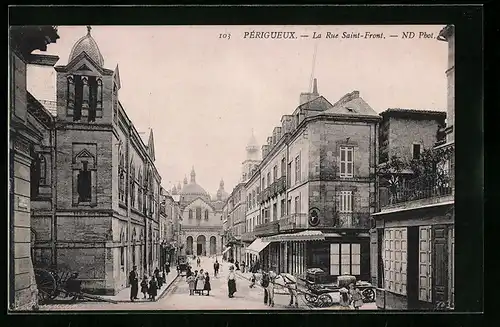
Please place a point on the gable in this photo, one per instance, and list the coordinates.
(83, 63)
(317, 104)
(356, 106)
(197, 203)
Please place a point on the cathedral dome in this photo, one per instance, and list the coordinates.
(88, 45)
(193, 189)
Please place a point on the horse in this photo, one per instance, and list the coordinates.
(287, 281)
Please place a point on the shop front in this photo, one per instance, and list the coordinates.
(254, 253)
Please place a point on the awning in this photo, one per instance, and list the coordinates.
(257, 246)
(227, 249)
(308, 235)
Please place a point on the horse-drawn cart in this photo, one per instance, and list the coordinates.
(53, 284)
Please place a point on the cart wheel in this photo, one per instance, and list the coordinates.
(368, 295)
(310, 298)
(46, 285)
(325, 300)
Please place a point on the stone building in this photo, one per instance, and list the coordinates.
(316, 189)
(27, 127)
(201, 218)
(413, 240)
(96, 205)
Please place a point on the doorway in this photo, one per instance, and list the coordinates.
(199, 249)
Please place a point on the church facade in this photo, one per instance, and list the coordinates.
(95, 200)
(201, 217)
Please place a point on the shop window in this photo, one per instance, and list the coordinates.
(345, 259)
(395, 260)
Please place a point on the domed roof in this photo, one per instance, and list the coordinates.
(193, 188)
(88, 45)
(252, 142)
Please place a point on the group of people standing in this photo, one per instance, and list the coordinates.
(149, 286)
(198, 282)
(351, 296)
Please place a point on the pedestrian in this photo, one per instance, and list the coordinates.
(356, 297)
(167, 268)
(237, 264)
(158, 278)
(201, 282)
(144, 285)
(344, 298)
(216, 268)
(195, 275)
(264, 282)
(252, 280)
(153, 288)
(270, 288)
(207, 287)
(191, 281)
(134, 284)
(231, 282)
(243, 266)
(198, 262)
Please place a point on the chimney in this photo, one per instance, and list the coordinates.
(315, 88)
(308, 96)
(265, 149)
(286, 124)
(270, 141)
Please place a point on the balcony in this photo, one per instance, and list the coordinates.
(293, 222)
(268, 228)
(265, 195)
(420, 188)
(358, 220)
(281, 184)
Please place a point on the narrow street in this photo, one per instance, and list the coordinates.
(178, 298)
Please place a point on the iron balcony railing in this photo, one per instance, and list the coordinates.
(267, 228)
(422, 187)
(293, 221)
(351, 220)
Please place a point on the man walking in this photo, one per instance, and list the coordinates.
(216, 268)
(134, 284)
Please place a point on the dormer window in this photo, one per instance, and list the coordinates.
(350, 109)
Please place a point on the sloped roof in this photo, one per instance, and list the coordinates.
(352, 104)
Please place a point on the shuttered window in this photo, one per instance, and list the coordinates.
(424, 264)
(346, 161)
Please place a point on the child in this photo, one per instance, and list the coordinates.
(191, 280)
(207, 286)
(153, 288)
(252, 281)
(356, 297)
(144, 285)
(344, 298)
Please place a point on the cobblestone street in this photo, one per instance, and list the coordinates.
(177, 297)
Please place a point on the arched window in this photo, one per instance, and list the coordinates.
(132, 183)
(198, 213)
(139, 190)
(190, 214)
(206, 214)
(71, 95)
(121, 174)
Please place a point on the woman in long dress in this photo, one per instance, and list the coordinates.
(207, 287)
(191, 280)
(231, 282)
(201, 281)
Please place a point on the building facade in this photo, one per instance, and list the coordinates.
(317, 188)
(27, 127)
(201, 218)
(413, 239)
(96, 203)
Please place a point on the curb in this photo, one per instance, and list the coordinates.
(157, 298)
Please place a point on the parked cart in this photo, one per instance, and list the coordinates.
(54, 284)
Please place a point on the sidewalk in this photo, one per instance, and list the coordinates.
(124, 294)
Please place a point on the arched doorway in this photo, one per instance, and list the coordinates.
(213, 247)
(189, 245)
(201, 248)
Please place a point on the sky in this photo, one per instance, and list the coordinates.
(202, 94)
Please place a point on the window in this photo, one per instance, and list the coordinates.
(139, 190)
(263, 182)
(345, 259)
(297, 204)
(346, 161)
(283, 167)
(424, 264)
(395, 259)
(84, 184)
(416, 151)
(345, 201)
(132, 184)
(275, 173)
(275, 211)
(190, 215)
(43, 170)
(283, 208)
(34, 174)
(289, 206)
(268, 179)
(297, 169)
(121, 173)
(206, 214)
(198, 213)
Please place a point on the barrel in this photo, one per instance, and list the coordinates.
(345, 280)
